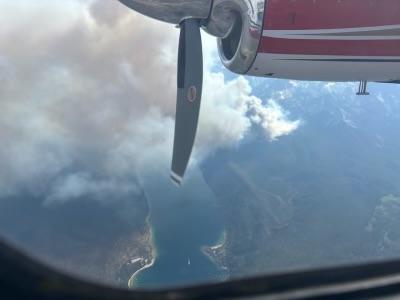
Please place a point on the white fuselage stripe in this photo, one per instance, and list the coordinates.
(333, 31)
(280, 56)
(356, 33)
(332, 37)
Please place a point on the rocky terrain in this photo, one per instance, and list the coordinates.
(86, 238)
(320, 196)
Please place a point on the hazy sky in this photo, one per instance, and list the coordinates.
(87, 99)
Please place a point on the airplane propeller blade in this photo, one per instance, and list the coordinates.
(190, 84)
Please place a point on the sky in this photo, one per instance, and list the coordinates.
(87, 100)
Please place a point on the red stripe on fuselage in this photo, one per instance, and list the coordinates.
(330, 47)
(330, 14)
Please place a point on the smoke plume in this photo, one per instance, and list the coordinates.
(87, 99)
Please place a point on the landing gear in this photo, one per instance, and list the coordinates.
(362, 89)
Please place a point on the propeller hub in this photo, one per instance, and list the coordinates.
(171, 11)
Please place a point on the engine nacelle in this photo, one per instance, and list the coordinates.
(238, 24)
(309, 40)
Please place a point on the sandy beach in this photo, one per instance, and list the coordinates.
(152, 259)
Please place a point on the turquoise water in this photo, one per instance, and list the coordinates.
(183, 220)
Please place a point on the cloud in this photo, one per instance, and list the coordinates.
(88, 88)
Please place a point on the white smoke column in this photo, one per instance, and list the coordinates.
(87, 99)
(272, 118)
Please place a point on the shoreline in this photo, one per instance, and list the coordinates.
(131, 282)
(217, 255)
(152, 255)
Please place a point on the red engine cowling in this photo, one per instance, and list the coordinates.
(332, 40)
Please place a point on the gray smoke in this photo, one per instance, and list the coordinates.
(88, 88)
